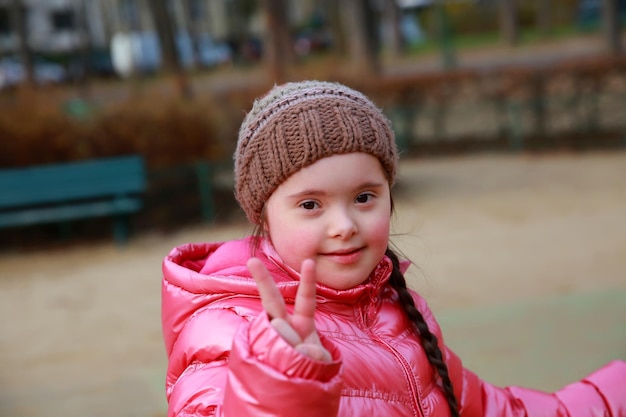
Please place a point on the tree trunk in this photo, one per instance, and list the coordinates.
(279, 53)
(110, 25)
(192, 28)
(239, 13)
(392, 28)
(18, 21)
(611, 26)
(359, 23)
(84, 49)
(509, 29)
(544, 16)
(165, 29)
(340, 38)
(446, 44)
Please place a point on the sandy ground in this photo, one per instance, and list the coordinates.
(522, 257)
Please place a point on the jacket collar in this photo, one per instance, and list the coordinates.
(219, 269)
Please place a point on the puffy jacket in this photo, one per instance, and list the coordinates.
(225, 359)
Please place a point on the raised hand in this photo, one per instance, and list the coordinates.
(298, 328)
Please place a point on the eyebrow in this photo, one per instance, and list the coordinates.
(315, 192)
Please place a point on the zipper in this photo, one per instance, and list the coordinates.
(415, 388)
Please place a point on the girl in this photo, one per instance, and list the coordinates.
(311, 315)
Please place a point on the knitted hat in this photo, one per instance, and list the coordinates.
(296, 124)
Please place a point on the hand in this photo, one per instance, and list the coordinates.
(298, 328)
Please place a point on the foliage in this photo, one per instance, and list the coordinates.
(481, 19)
(166, 132)
(33, 132)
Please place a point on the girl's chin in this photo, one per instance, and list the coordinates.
(340, 280)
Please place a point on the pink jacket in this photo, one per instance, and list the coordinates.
(225, 359)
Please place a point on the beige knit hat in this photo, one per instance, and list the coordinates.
(296, 124)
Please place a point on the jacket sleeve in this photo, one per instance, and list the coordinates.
(198, 363)
(268, 377)
(242, 368)
(600, 394)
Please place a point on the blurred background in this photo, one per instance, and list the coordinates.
(510, 116)
(171, 81)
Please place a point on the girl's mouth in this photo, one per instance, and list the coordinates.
(345, 256)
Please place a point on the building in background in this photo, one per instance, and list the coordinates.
(63, 29)
(52, 26)
(63, 26)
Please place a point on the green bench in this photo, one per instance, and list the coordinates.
(59, 193)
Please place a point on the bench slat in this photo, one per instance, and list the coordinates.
(70, 212)
(71, 181)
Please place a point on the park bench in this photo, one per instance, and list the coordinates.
(59, 193)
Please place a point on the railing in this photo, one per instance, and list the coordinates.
(577, 104)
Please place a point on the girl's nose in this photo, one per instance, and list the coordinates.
(342, 224)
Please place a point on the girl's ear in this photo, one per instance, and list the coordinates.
(265, 229)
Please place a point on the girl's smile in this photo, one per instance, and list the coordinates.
(345, 257)
(336, 212)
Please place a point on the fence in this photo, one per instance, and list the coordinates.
(577, 104)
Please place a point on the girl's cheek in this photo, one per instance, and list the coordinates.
(294, 244)
(303, 243)
(380, 229)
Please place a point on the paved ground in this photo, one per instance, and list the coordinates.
(522, 257)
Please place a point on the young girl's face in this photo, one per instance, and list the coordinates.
(336, 212)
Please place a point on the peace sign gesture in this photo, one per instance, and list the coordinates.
(298, 329)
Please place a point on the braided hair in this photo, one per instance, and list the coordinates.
(429, 340)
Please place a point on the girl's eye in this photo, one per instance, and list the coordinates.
(309, 205)
(364, 198)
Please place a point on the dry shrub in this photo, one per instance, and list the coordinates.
(34, 130)
(165, 132)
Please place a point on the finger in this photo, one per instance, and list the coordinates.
(304, 305)
(272, 300)
(287, 332)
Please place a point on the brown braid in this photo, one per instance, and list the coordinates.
(429, 340)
